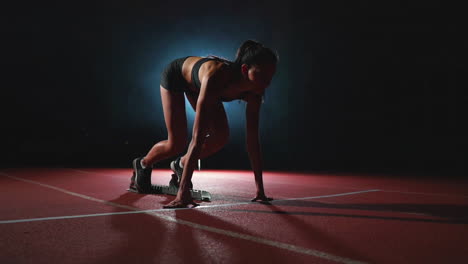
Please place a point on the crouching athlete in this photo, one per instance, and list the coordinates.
(207, 82)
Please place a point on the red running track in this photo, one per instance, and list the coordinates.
(86, 216)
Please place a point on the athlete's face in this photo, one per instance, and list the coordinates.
(259, 77)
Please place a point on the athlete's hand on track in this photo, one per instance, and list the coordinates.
(180, 204)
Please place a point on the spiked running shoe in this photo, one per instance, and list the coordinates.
(175, 167)
(177, 176)
(141, 178)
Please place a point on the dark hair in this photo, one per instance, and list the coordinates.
(253, 52)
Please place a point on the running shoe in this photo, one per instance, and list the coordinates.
(177, 176)
(142, 179)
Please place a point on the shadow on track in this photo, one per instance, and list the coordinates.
(142, 236)
(454, 214)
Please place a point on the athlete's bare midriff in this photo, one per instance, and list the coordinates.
(187, 71)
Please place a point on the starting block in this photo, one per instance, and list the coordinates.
(172, 189)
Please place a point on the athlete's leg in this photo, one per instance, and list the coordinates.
(218, 131)
(176, 123)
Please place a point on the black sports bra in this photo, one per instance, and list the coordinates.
(196, 69)
(196, 80)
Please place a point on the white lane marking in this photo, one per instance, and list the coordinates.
(137, 211)
(429, 194)
(290, 247)
(68, 217)
(329, 195)
(329, 187)
(334, 187)
(255, 239)
(68, 192)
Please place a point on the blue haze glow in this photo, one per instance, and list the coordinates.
(195, 42)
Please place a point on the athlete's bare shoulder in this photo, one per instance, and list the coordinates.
(212, 68)
(213, 78)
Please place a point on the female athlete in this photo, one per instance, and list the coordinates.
(207, 82)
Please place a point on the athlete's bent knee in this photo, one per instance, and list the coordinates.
(224, 140)
(177, 147)
(221, 140)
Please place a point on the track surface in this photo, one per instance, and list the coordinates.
(86, 216)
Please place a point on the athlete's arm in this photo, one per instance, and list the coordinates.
(252, 113)
(207, 99)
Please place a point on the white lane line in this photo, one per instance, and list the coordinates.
(68, 192)
(137, 211)
(328, 187)
(255, 239)
(68, 217)
(329, 195)
(290, 247)
(429, 194)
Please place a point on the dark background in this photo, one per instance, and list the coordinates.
(361, 86)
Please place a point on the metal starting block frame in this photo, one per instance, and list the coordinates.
(172, 189)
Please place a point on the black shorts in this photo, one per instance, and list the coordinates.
(171, 77)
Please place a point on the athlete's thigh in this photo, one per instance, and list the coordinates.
(219, 124)
(174, 114)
